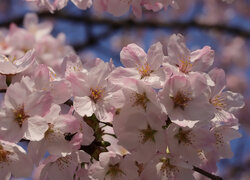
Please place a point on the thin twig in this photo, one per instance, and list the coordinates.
(106, 123)
(207, 174)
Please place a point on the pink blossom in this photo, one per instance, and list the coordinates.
(98, 95)
(188, 142)
(61, 167)
(54, 140)
(48, 81)
(224, 102)
(139, 132)
(139, 95)
(141, 66)
(12, 158)
(39, 30)
(23, 111)
(59, 4)
(169, 166)
(180, 56)
(222, 137)
(14, 66)
(112, 166)
(182, 96)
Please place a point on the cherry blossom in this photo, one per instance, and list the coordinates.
(56, 167)
(116, 8)
(170, 167)
(139, 133)
(182, 96)
(54, 141)
(12, 158)
(23, 111)
(141, 66)
(186, 61)
(59, 4)
(15, 66)
(98, 95)
(113, 166)
(224, 102)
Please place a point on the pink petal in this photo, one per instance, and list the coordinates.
(132, 56)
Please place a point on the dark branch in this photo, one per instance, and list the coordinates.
(129, 23)
(94, 40)
(207, 174)
(2, 90)
(69, 102)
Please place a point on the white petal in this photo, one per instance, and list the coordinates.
(84, 106)
(36, 127)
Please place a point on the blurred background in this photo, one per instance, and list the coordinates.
(224, 27)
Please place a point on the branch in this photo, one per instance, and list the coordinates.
(94, 40)
(69, 102)
(129, 23)
(207, 174)
(2, 90)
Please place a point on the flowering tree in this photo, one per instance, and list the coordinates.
(165, 113)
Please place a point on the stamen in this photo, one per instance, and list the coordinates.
(185, 65)
(140, 167)
(167, 168)
(219, 139)
(96, 94)
(183, 136)
(144, 70)
(20, 116)
(114, 170)
(49, 130)
(218, 102)
(180, 100)
(141, 100)
(147, 134)
(4, 154)
(52, 75)
(64, 162)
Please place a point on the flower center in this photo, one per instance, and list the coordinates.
(183, 136)
(20, 116)
(218, 138)
(167, 168)
(141, 100)
(96, 94)
(49, 130)
(218, 102)
(180, 100)
(147, 134)
(114, 170)
(144, 70)
(185, 66)
(52, 75)
(140, 167)
(3, 154)
(64, 162)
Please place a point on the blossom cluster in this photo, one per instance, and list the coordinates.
(114, 7)
(157, 117)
